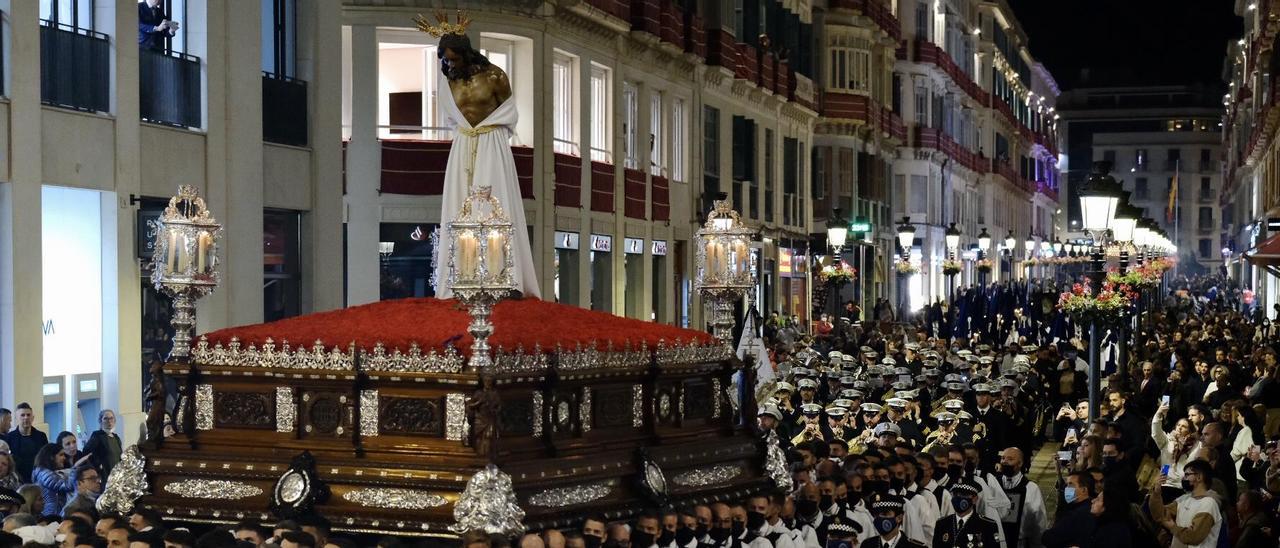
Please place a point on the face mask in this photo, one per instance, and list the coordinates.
(876, 486)
(939, 473)
(1186, 485)
(837, 543)
(806, 508)
(1108, 463)
(969, 467)
(755, 520)
(1069, 494)
(591, 541)
(666, 537)
(825, 501)
(610, 544)
(885, 526)
(719, 534)
(897, 484)
(640, 539)
(738, 528)
(961, 504)
(854, 497)
(1008, 470)
(954, 471)
(684, 535)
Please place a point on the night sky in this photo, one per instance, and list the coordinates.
(1130, 42)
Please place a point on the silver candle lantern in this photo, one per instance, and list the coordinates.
(724, 266)
(480, 266)
(184, 263)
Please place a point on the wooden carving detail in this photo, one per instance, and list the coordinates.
(613, 407)
(244, 409)
(515, 417)
(324, 414)
(412, 416)
(697, 400)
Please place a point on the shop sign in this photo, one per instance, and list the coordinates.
(601, 243)
(784, 261)
(633, 246)
(566, 240)
(660, 247)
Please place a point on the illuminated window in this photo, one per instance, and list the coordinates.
(601, 129)
(678, 167)
(564, 123)
(657, 151)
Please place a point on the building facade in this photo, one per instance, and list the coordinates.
(1251, 184)
(1153, 136)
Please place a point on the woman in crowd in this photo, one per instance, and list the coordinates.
(8, 469)
(1194, 520)
(34, 500)
(1176, 450)
(68, 443)
(1089, 454)
(1111, 527)
(54, 476)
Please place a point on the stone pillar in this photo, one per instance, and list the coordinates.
(21, 316)
(319, 63)
(364, 169)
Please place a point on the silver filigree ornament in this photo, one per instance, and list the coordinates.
(212, 489)
(395, 498)
(204, 407)
(775, 463)
(560, 497)
(637, 405)
(286, 409)
(369, 412)
(710, 475)
(488, 504)
(128, 482)
(455, 417)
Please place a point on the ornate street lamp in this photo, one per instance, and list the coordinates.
(906, 235)
(1099, 198)
(984, 242)
(184, 263)
(480, 266)
(724, 266)
(837, 232)
(1057, 246)
(953, 239)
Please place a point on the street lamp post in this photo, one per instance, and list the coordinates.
(984, 244)
(1098, 200)
(906, 236)
(953, 243)
(837, 235)
(1010, 243)
(1122, 228)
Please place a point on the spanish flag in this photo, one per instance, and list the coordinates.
(1171, 211)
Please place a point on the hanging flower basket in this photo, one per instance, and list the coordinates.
(836, 275)
(1108, 306)
(1033, 262)
(984, 266)
(907, 268)
(951, 267)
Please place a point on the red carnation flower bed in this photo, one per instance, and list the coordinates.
(433, 323)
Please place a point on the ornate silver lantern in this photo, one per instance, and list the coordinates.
(480, 265)
(184, 263)
(724, 266)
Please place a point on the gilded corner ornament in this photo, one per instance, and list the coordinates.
(488, 504)
(128, 482)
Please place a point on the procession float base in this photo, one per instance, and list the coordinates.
(371, 417)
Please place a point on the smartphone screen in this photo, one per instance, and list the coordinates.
(1164, 470)
(1071, 433)
(1064, 455)
(1164, 399)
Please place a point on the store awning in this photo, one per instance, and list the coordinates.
(1266, 255)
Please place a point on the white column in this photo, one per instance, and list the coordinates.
(21, 317)
(320, 64)
(364, 170)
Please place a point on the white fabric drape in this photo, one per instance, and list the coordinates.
(493, 166)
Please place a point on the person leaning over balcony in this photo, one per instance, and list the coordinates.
(154, 25)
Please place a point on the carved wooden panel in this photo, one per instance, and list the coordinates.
(244, 409)
(516, 417)
(412, 416)
(613, 407)
(697, 399)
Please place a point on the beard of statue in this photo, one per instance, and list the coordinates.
(458, 60)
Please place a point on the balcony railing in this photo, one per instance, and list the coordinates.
(169, 88)
(75, 68)
(284, 110)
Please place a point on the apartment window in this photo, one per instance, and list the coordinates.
(1206, 248)
(850, 69)
(280, 264)
(677, 140)
(710, 153)
(73, 13)
(279, 37)
(820, 170)
(768, 175)
(919, 195)
(1206, 188)
(1140, 188)
(1205, 219)
(1140, 159)
(657, 158)
(630, 113)
(845, 172)
(601, 134)
(922, 105)
(564, 123)
(1174, 160)
(922, 21)
(1205, 154)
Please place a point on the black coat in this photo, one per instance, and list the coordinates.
(98, 447)
(24, 449)
(980, 529)
(874, 542)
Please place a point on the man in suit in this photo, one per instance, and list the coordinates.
(887, 511)
(966, 527)
(25, 441)
(104, 444)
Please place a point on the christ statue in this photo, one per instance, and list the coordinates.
(475, 99)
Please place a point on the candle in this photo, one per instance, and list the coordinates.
(171, 250)
(202, 252)
(740, 256)
(184, 254)
(467, 255)
(495, 254)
